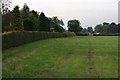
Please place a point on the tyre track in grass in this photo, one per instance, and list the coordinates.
(60, 63)
(91, 60)
(65, 58)
(91, 68)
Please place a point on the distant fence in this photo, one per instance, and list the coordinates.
(13, 39)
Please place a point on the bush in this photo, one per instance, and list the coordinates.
(13, 39)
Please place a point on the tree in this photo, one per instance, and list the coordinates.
(1, 24)
(35, 13)
(36, 19)
(31, 23)
(90, 29)
(27, 23)
(4, 9)
(57, 21)
(6, 22)
(25, 11)
(30, 19)
(56, 24)
(4, 6)
(107, 28)
(118, 28)
(44, 24)
(74, 26)
(17, 22)
(98, 28)
(84, 30)
(113, 28)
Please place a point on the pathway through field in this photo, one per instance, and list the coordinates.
(91, 63)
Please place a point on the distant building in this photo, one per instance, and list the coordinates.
(119, 12)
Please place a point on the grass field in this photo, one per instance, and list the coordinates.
(77, 57)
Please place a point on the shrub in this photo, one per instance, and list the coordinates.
(13, 39)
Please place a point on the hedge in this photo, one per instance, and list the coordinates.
(13, 39)
(82, 34)
(107, 34)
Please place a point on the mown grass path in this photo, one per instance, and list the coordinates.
(91, 61)
(77, 57)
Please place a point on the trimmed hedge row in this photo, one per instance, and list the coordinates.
(13, 39)
(82, 34)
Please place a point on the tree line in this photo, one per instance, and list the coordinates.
(104, 28)
(31, 20)
(107, 28)
(26, 20)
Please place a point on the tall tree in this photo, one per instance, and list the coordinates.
(25, 11)
(84, 30)
(4, 6)
(98, 28)
(56, 24)
(17, 22)
(31, 23)
(118, 27)
(112, 28)
(90, 29)
(30, 18)
(74, 26)
(1, 30)
(44, 24)
(105, 27)
(35, 19)
(6, 22)
(4, 9)
(27, 23)
(57, 21)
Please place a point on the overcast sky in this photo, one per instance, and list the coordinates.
(88, 12)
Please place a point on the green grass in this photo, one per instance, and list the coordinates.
(63, 58)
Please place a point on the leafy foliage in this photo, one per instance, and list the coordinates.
(90, 29)
(56, 24)
(6, 22)
(25, 11)
(43, 23)
(4, 6)
(17, 22)
(107, 28)
(27, 20)
(74, 26)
